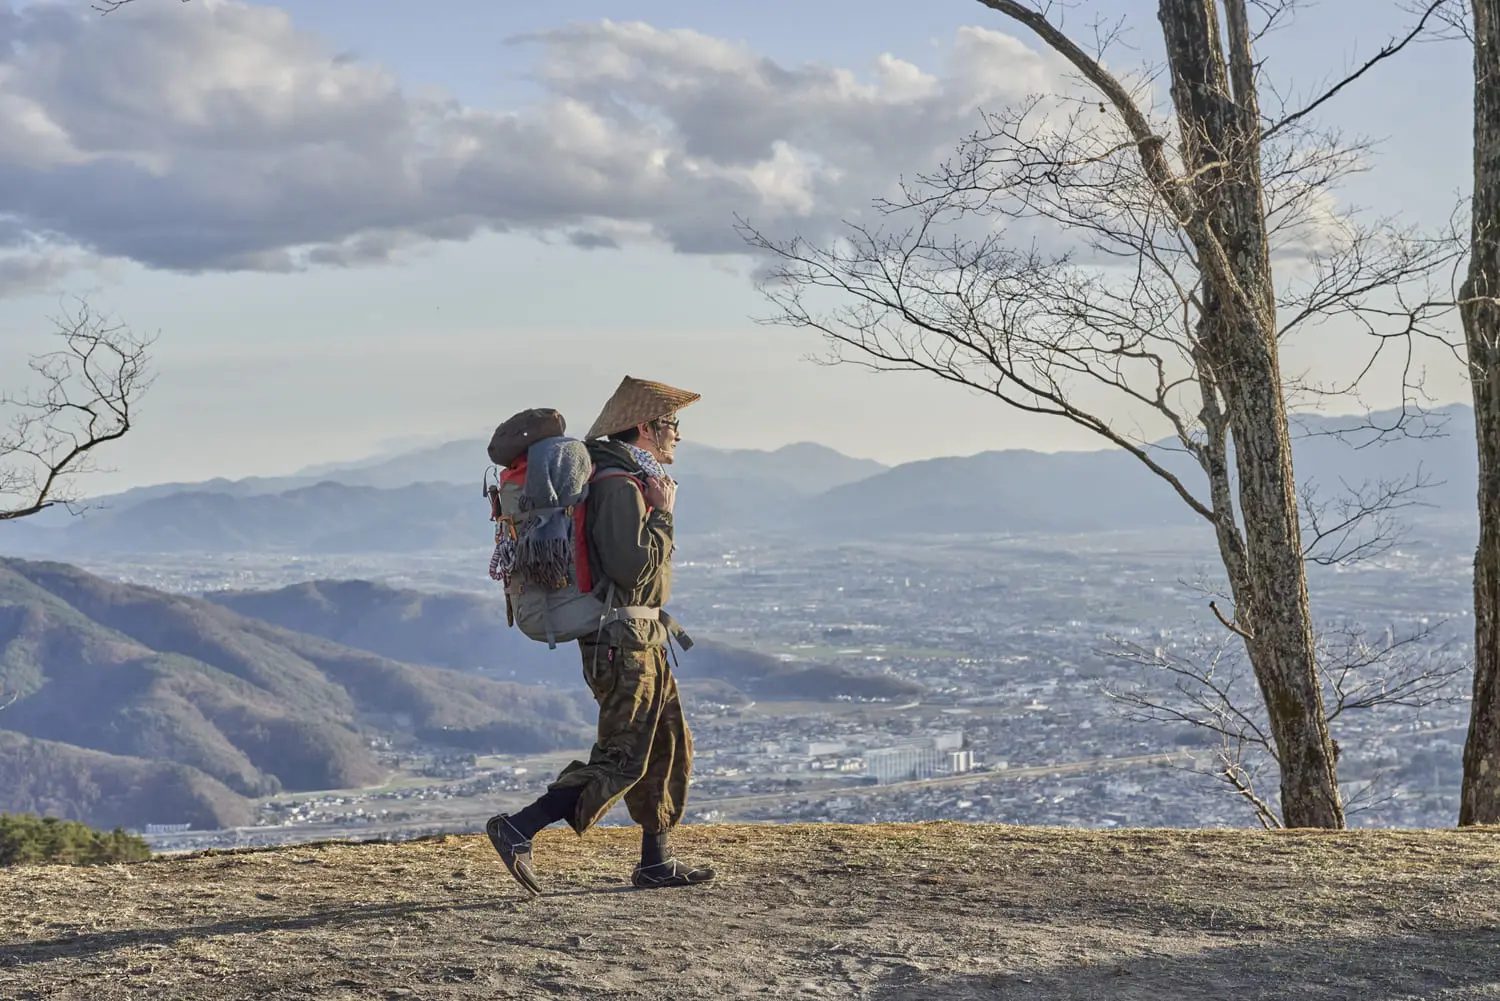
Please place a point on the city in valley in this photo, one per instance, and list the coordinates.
(1019, 651)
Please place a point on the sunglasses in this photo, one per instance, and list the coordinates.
(670, 424)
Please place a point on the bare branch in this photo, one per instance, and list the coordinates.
(1203, 681)
(1387, 51)
(1407, 671)
(1358, 523)
(1229, 624)
(1200, 682)
(1370, 795)
(1233, 771)
(1016, 325)
(110, 6)
(1174, 189)
(84, 395)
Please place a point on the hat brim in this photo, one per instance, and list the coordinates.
(639, 401)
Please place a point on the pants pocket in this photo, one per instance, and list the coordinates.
(601, 671)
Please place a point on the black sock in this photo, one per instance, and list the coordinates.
(554, 805)
(654, 847)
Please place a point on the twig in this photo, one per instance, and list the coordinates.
(1238, 630)
(1263, 812)
(1390, 49)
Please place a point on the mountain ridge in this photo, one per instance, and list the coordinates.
(728, 491)
(202, 706)
(461, 630)
(137, 674)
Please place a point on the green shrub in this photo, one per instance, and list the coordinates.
(25, 838)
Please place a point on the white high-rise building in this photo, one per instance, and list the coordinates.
(900, 764)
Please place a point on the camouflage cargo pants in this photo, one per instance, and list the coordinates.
(644, 751)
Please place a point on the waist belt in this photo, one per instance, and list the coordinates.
(625, 613)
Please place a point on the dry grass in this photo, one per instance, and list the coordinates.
(882, 912)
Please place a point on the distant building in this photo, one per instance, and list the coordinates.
(952, 740)
(941, 754)
(899, 764)
(168, 828)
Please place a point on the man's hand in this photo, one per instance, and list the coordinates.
(660, 492)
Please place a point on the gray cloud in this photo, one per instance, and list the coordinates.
(39, 268)
(588, 240)
(220, 137)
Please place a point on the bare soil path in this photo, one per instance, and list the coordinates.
(939, 911)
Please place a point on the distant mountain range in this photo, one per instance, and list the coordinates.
(430, 499)
(137, 706)
(134, 706)
(467, 631)
(803, 468)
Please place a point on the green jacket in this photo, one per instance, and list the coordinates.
(628, 545)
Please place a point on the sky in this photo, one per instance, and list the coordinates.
(356, 227)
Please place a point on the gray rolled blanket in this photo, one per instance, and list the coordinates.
(557, 477)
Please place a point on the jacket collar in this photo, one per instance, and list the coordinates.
(613, 455)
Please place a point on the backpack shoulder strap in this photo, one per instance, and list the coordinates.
(584, 572)
(615, 474)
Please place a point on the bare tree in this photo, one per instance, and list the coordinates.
(83, 396)
(1203, 684)
(1480, 309)
(1137, 292)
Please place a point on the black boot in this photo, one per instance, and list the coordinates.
(552, 806)
(515, 851)
(670, 873)
(511, 835)
(654, 850)
(660, 868)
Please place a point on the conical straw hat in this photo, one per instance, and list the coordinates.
(639, 401)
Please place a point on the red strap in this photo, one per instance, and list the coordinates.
(581, 571)
(515, 471)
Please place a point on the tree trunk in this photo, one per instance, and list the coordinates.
(1219, 118)
(1481, 318)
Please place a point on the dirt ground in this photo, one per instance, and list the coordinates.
(939, 911)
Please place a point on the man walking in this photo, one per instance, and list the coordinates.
(644, 751)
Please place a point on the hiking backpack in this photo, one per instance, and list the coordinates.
(541, 552)
(562, 602)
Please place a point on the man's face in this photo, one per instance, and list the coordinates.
(664, 434)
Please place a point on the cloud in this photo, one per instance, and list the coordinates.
(39, 269)
(588, 240)
(218, 136)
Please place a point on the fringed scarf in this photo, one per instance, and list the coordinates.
(557, 477)
(648, 462)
